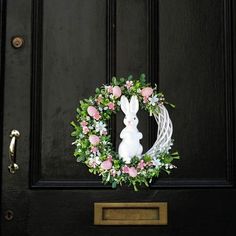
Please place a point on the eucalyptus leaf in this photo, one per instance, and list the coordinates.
(114, 184)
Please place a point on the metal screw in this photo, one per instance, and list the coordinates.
(17, 42)
(8, 215)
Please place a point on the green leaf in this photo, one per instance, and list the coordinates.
(114, 81)
(175, 155)
(122, 80)
(114, 184)
(142, 78)
(170, 104)
(81, 159)
(167, 171)
(145, 182)
(108, 177)
(135, 187)
(130, 77)
(73, 123)
(147, 158)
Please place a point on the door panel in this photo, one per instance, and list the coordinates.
(72, 47)
(195, 71)
(72, 59)
(64, 56)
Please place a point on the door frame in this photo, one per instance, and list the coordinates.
(2, 73)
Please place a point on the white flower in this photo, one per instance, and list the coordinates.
(97, 160)
(108, 88)
(100, 127)
(153, 100)
(94, 161)
(156, 162)
(129, 84)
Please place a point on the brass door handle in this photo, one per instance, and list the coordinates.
(14, 135)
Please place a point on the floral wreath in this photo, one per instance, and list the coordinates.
(93, 145)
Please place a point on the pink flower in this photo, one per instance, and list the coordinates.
(145, 99)
(94, 139)
(92, 110)
(141, 165)
(125, 169)
(111, 106)
(116, 91)
(109, 89)
(106, 165)
(149, 163)
(104, 132)
(94, 149)
(83, 123)
(99, 99)
(147, 92)
(109, 157)
(85, 129)
(96, 116)
(133, 172)
(113, 172)
(129, 84)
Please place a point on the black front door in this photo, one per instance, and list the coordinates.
(71, 47)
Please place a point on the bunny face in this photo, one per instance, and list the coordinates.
(131, 120)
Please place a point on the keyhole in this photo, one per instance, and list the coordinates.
(9, 215)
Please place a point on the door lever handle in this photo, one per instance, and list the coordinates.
(14, 135)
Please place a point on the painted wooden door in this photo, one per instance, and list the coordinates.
(72, 47)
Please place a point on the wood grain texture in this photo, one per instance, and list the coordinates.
(188, 48)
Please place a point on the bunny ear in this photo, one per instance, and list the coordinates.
(124, 103)
(134, 105)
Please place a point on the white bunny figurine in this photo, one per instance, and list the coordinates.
(130, 145)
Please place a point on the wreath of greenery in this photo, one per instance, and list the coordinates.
(92, 142)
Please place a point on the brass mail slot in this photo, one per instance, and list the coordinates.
(132, 213)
